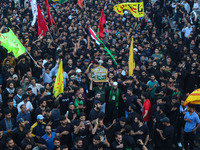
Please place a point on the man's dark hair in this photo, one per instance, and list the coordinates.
(117, 133)
(77, 139)
(146, 95)
(7, 111)
(130, 89)
(96, 137)
(56, 139)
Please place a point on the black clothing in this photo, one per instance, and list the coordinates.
(66, 139)
(168, 134)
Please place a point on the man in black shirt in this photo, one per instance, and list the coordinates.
(166, 134)
(64, 131)
(19, 133)
(77, 144)
(95, 111)
(28, 142)
(96, 144)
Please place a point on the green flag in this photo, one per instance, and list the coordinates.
(11, 43)
(62, 1)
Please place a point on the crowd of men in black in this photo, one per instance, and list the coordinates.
(143, 111)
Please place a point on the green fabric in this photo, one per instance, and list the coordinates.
(11, 43)
(114, 93)
(77, 103)
(107, 50)
(62, 1)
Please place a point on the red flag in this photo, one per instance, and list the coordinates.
(42, 25)
(80, 3)
(50, 18)
(101, 23)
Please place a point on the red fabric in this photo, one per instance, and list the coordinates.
(147, 106)
(42, 25)
(101, 23)
(50, 18)
(80, 3)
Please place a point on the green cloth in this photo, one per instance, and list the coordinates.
(62, 1)
(77, 103)
(11, 43)
(114, 96)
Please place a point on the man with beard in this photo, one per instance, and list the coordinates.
(158, 125)
(41, 108)
(118, 144)
(166, 134)
(97, 144)
(19, 132)
(114, 102)
(140, 131)
(49, 136)
(38, 128)
(191, 125)
(64, 131)
(95, 111)
(78, 143)
(83, 131)
(10, 145)
(100, 89)
(28, 142)
(152, 84)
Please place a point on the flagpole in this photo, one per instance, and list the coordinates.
(30, 55)
(51, 35)
(52, 24)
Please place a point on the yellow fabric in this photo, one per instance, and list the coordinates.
(59, 85)
(137, 9)
(131, 61)
(32, 127)
(193, 98)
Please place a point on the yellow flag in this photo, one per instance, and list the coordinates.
(193, 98)
(59, 85)
(137, 9)
(131, 61)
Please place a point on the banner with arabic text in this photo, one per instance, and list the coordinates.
(137, 9)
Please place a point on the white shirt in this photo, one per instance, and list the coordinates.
(196, 6)
(29, 106)
(187, 31)
(36, 88)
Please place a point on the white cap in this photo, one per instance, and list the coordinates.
(78, 71)
(135, 49)
(115, 83)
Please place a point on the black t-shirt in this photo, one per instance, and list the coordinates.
(93, 114)
(145, 131)
(64, 102)
(18, 136)
(130, 100)
(168, 133)
(66, 139)
(25, 142)
(97, 147)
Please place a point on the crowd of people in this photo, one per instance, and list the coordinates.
(142, 111)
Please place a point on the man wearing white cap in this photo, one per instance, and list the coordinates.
(78, 75)
(114, 101)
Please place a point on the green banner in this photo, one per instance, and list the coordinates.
(11, 43)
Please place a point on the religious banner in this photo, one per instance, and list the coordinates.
(137, 9)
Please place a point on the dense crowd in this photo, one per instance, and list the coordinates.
(143, 111)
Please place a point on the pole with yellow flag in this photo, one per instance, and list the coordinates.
(59, 85)
(131, 61)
